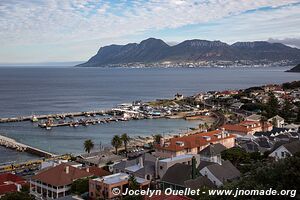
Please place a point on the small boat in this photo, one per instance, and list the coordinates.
(48, 127)
(34, 119)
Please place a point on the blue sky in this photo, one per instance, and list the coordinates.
(73, 30)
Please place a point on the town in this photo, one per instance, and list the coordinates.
(248, 139)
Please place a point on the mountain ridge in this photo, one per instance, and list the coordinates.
(154, 50)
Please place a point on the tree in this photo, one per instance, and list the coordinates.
(298, 115)
(272, 106)
(125, 139)
(133, 184)
(286, 111)
(116, 142)
(80, 186)
(236, 155)
(157, 138)
(88, 145)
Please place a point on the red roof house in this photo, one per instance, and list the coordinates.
(10, 183)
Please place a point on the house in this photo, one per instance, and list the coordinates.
(261, 144)
(277, 121)
(254, 117)
(10, 183)
(143, 167)
(178, 96)
(99, 159)
(286, 150)
(212, 153)
(279, 134)
(53, 163)
(247, 127)
(56, 182)
(180, 176)
(193, 144)
(219, 174)
(96, 171)
(236, 105)
(165, 164)
(102, 188)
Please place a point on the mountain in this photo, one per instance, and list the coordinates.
(153, 50)
(295, 69)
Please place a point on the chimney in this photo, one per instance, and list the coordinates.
(19, 187)
(141, 161)
(223, 133)
(162, 142)
(67, 169)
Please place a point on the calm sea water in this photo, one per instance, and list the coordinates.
(26, 91)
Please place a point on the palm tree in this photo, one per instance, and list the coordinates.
(133, 184)
(116, 142)
(88, 145)
(157, 138)
(125, 139)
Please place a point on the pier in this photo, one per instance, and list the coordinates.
(86, 122)
(59, 115)
(13, 144)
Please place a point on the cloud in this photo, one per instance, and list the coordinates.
(293, 42)
(55, 22)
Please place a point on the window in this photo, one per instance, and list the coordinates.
(148, 177)
(161, 167)
(282, 154)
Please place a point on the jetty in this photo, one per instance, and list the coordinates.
(13, 144)
(74, 123)
(58, 115)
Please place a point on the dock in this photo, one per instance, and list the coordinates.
(49, 125)
(13, 144)
(59, 115)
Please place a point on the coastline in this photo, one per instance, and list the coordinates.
(24, 132)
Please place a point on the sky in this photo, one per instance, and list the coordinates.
(74, 30)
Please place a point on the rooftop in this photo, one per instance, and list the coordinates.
(194, 140)
(117, 178)
(226, 171)
(213, 150)
(61, 175)
(293, 147)
(176, 158)
(8, 181)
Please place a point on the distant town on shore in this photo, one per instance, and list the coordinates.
(194, 53)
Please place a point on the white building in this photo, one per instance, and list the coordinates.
(286, 150)
(56, 182)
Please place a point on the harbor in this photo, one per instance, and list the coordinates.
(136, 110)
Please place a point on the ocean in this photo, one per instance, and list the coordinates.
(26, 91)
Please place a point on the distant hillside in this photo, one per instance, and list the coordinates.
(295, 69)
(157, 51)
